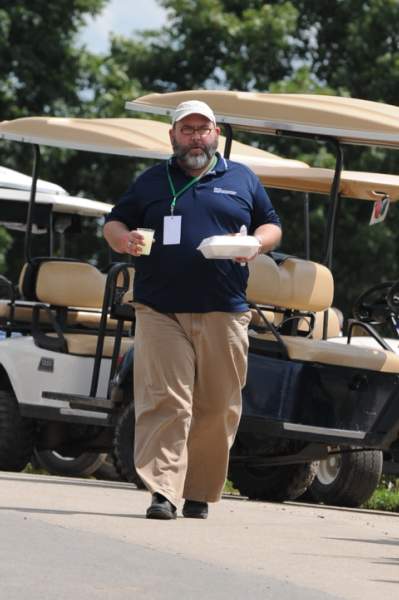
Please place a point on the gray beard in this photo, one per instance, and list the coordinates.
(197, 161)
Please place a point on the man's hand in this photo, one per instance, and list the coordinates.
(132, 242)
(246, 259)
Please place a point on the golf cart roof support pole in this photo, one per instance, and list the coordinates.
(334, 193)
(307, 225)
(29, 220)
(333, 204)
(332, 217)
(50, 234)
(229, 140)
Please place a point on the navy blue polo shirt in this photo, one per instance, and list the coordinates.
(178, 278)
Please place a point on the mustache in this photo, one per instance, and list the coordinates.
(182, 152)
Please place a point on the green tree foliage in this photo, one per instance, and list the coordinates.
(353, 45)
(241, 45)
(40, 64)
(5, 243)
(42, 72)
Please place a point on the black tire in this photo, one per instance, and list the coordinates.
(80, 466)
(16, 435)
(107, 471)
(123, 447)
(285, 482)
(347, 479)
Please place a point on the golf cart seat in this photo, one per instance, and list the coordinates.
(294, 303)
(51, 282)
(303, 285)
(78, 288)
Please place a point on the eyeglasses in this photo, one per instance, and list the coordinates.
(190, 131)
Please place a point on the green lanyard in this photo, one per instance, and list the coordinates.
(192, 182)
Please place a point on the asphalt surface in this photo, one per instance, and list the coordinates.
(65, 538)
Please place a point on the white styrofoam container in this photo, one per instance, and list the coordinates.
(229, 246)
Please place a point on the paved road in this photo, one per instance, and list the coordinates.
(72, 538)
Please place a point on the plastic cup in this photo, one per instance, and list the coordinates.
(148, 235)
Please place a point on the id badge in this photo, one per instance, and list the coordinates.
(172, 230)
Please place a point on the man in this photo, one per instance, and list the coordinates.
(192, 317)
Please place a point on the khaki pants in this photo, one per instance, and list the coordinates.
(189, 370)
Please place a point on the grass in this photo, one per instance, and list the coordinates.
(230, 489)
(386, 496)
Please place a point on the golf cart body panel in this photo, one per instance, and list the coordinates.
(43, 370)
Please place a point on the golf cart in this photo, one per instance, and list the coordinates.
(350, 478)
(80, 319)
(56, 215)
(305, 398)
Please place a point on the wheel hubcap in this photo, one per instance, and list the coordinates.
(329, 469)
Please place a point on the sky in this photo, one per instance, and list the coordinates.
(121, 17)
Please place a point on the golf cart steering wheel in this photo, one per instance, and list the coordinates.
(376, 305)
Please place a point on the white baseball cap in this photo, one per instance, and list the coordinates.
(193, 107)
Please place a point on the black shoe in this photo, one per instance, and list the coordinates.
(193, 509)
(161, 508)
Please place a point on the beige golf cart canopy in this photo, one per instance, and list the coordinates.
(142, 138)
(353, 184)
(150, 139)
(348, 120)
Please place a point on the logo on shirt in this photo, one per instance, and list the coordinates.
(218, 190)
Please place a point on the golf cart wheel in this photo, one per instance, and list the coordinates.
(16, 435)
(285, 482)
(123, 447)
(107, 470)
(80, 466)
(347, 479)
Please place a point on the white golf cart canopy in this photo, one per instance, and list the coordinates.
(348, 120)
(54, 207)
(15, 187)
(18, 181)
(58, 203)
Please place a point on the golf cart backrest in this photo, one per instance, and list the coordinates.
(70, 284)
(303, 285)
(81, 295)
(73, 288)
(293, 284)
(296, 292)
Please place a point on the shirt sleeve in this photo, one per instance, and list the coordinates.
(126, 210)
(263, 210)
